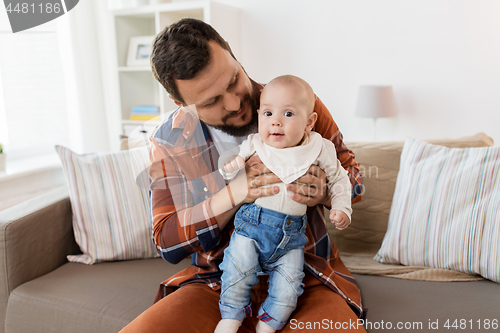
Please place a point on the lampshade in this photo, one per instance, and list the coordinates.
(375, 102)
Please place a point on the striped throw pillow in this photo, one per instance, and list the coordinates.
(445, 211)
(109, 194)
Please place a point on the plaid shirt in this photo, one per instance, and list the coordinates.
(184, 176)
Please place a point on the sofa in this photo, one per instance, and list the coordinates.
(40, 291)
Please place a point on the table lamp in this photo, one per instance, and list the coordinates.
(375, 102)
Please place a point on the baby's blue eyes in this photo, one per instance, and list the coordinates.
(288, 114)
(268, 113)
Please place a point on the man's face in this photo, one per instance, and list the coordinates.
(221, 94)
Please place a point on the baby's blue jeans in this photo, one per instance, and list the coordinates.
(264, 241)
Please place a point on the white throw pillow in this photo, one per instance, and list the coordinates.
(445, 211)
(109, 194)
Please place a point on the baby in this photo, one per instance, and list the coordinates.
(269, 235)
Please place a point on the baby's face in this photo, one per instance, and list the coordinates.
(284, 115)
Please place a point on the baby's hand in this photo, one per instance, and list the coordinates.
(340, 219)
(233, 165)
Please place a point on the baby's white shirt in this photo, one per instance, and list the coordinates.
(289, 164)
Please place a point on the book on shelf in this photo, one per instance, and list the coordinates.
(146, 109)
(145, 117)
(145, 112)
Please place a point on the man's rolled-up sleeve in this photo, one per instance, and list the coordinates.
(180, 227)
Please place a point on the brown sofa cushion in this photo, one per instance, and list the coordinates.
(87, 298)
(380, 165)
(418, 303)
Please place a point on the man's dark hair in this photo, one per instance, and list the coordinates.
(181, 51)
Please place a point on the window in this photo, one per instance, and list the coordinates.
(33, 109)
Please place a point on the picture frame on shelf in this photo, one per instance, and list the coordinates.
(139, 50)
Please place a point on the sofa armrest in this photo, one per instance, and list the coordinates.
(35, 238)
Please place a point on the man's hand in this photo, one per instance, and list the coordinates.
(254, 183)
(340, 219)
(311, 188)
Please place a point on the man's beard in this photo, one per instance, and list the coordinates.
(243, 130)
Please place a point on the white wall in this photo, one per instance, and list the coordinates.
(441, 56)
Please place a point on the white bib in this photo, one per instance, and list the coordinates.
(289, 163)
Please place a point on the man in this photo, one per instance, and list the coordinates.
(193, 207)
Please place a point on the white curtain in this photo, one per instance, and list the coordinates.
(82, 35)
